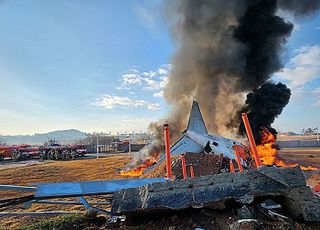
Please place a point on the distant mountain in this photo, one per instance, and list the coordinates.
(62, 136)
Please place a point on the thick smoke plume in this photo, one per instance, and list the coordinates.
(226, 49)
(263, 105)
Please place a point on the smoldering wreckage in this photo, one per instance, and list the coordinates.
(235, 177)
(226, 49)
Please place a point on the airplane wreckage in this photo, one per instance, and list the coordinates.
(243, 185)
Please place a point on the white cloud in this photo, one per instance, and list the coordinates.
(303, 68)
(154, 80)
(158, 94)
(131, 78)
(150, 74)
(122, 87)
(110, 102)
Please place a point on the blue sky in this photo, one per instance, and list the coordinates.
(101, 66)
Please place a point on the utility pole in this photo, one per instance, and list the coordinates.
(97, 146)
(129, 145)
(317, 136)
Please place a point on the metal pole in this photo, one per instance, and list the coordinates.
(97, 146)
(38, 213)
(317, 136)
(191, 171)
(129, 146)
(167, 148)
(251, 139)
(237, 150)
(231, 166)
(184, 167)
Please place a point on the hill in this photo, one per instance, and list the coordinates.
(62, 136)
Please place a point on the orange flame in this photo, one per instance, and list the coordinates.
(139, 170)
(269, 155)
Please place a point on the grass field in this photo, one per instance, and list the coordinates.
(77, 170)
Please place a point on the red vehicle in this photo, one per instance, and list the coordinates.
(5, 151)
(18, 152)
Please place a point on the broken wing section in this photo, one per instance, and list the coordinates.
(183, 145)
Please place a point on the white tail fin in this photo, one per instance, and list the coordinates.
(196, 122)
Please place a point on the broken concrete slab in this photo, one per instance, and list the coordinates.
(213, 191)
(288, 179)
(301, 202)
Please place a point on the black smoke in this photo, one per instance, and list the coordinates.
(263, 34)
(263, 105)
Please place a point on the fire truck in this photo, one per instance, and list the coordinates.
(18, 152)
(52, 152)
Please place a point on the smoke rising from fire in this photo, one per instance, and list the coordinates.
(226, 49)
(263, 105)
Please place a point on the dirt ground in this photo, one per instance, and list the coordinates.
(305, 156)
(91, 169)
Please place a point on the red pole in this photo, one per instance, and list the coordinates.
(191, 171)
(253, 146)
(236, 149)
(231, 167)
(183, 165)
(167, 148)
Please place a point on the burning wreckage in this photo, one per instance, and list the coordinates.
(224, 48)
(239, 177)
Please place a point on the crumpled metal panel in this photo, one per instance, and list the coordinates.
(83, 188)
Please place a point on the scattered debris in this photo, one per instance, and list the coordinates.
(245, 224)
(270, 204)
(246, 212)
(216, 191)
(276, 215)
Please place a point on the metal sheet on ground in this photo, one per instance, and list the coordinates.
(83, 188)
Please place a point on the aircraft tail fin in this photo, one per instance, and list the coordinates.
(196, 122)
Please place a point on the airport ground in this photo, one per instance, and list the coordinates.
(88, 168)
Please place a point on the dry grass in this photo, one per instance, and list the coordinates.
(78, 170)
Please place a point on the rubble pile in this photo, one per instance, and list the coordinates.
(203, 219)
(203, 164)
(269, 193)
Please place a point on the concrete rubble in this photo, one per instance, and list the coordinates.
(286, 185)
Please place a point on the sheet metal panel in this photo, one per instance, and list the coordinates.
(17, 188)
(83, 188)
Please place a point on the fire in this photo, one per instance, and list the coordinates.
(139, 170)
(269, 155)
